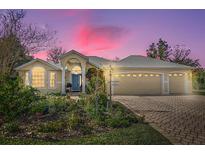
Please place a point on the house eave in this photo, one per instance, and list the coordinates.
(36, 60)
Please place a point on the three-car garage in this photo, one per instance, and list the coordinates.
(147, 83)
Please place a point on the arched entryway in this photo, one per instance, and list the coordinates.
(76, 77)
(73, 71)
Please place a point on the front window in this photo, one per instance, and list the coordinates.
(27, 78)
(38, 77)
(52, 79)
(76, 70)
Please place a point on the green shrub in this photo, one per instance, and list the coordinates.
(58, 103)
(41, 106)
(120, 117)
(12, 127)
(95, 105)
(15, 98)
(117, 122)
(77, 119)
(53, 126)
(93, 80)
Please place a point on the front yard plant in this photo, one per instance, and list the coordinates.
(29, 117)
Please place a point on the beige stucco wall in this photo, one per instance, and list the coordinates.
(47, 68)
(149, 85)
(125, 85)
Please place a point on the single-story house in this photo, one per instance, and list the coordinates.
(133, 75)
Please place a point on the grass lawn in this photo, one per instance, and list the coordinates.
(136, 134)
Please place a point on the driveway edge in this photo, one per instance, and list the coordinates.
(166, 135)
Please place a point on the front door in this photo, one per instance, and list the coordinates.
(75, 82)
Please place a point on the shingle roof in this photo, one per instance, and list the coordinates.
(135, 61)
(132, 61)
(98, 61)
(58, 65)
(138, 61)
(55, 66)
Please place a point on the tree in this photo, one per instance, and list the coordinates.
(161, 50)
(10, 50)
(117, 59)
(54, 54)
(19, 40)
(180, 55)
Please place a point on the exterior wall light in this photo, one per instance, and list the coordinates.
(140, 75)
(170, 74)
(134, 75)
(151, 75)
(128, 74)
(146, 75)
(175, 74)
(122, 75)
(180, 74)
(157, 75)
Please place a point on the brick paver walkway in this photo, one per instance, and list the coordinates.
(180, 118)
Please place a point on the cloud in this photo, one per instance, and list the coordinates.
(41, 55)
(90, 38)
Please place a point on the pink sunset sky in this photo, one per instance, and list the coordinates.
(119, 33)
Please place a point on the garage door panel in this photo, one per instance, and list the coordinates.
(176, 84)
(137, 85)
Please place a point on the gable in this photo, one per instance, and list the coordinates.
(37, 63)
(73, 56)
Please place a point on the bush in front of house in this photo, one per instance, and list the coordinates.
(15, 98)
(95, 82)
(12, 127)
(117, 116)
(52, 126)
(40, 107)
(78, 119)
(58, 103)
(95, 105)
(120, 116)
(74, 120)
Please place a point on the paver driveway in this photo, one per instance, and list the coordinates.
(180, 118)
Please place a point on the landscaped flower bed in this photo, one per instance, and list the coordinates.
(27, 116)
(57, 118)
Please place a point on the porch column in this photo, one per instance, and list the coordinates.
(187, 82)
(30, 78)
(165, 83)
(63, 81)
(83, 77)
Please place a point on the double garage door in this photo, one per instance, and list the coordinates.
(146, 84)
(137, 84)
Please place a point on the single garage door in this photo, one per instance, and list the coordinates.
(176, 83)
(137, 84)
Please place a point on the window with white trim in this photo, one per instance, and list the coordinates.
(38, 77)
(27, 78)
(52, 79)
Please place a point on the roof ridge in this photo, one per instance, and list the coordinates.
(131, 56)
(143, 60)
(99, 57)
